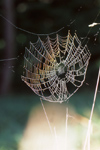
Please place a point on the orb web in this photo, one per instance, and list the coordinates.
(55, 68)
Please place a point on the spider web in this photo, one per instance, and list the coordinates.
(56, 67)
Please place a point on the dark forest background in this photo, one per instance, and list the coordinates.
(41, 17)
(44, 16)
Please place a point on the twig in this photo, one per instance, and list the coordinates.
(46, 116)
(56, 140)
(89, 125)
(66, 128)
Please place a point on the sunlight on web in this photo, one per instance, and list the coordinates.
(66, 134)
(56, 67)
(93, 24)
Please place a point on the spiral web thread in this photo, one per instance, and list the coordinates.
(56, 67)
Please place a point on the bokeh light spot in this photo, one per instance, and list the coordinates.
(21, 38)
(2, 44)
(22, 7)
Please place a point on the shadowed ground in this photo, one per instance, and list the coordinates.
(23, 125)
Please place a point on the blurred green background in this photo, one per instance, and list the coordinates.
(42, 16)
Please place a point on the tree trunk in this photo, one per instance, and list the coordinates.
(9, 36)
